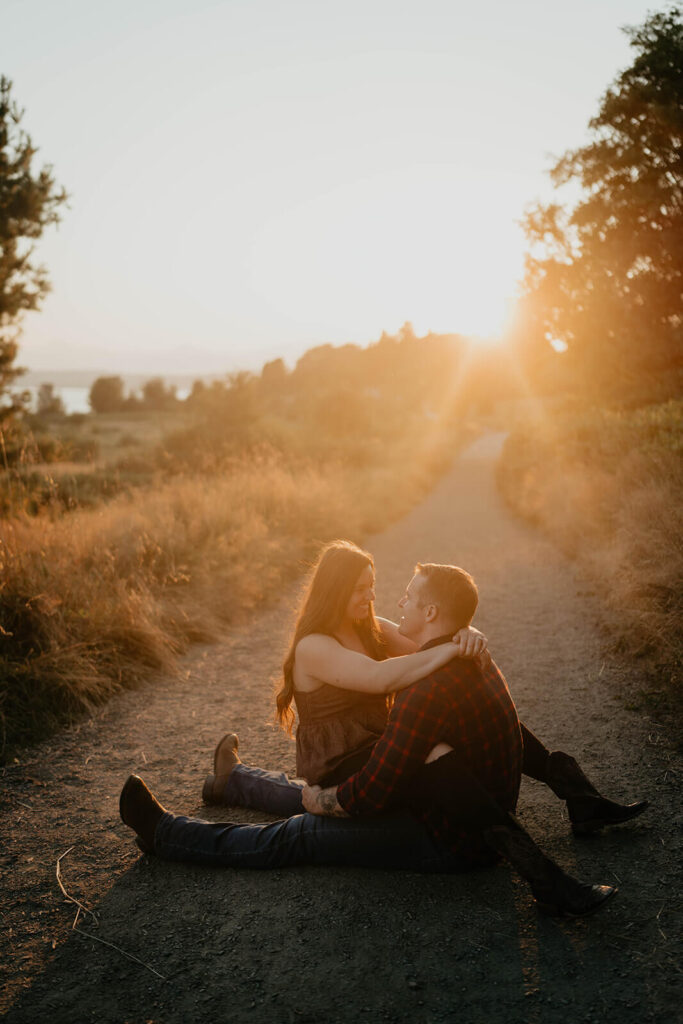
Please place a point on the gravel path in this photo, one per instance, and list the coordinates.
(312, 945)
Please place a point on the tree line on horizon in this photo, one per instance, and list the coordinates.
(404, 361)
(337, 402)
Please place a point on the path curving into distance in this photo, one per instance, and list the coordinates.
(338, 946)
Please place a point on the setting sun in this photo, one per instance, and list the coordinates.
(423, 244)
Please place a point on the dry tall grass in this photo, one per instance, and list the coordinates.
(96, 599)
(607, 486)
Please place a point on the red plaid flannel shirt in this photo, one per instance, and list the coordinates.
(461, 704)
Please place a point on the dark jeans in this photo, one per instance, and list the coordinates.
(272, 792)
(275, 793)
(535, 757)
(393, 841)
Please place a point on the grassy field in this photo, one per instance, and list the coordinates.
(607, 486)
(57, 463)
(102, 591)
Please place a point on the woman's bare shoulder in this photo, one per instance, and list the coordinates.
(313, 657)
(315, 643)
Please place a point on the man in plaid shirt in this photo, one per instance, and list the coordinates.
(460, 705)
(463, 706)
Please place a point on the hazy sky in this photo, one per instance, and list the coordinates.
(249, 178)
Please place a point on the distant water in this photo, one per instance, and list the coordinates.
(76, 399)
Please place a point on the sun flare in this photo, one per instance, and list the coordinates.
(386, 250)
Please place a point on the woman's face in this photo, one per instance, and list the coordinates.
(363, 594)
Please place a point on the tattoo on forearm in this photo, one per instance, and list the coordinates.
(327, 801)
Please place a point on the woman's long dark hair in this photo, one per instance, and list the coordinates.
(325, 600)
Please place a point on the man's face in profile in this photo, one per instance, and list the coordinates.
(412, 619)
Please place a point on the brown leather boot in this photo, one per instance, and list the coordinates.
(141, 811)
(225, 758)
(555, 891)
(589, 811)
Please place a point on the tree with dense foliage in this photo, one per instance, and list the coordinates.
(156, 396)
(605, 278)
(29, 202)
(106, 394)
(49, 403)
(274, 375)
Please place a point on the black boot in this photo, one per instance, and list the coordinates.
(554, 890)
(141, 811)
(589, 811)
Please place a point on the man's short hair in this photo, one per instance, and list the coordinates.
(452, 589)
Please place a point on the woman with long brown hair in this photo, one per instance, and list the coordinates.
(342, 663)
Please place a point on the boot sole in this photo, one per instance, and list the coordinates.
(207, 790)
(218, 747)
(122, 798)
(139, 841)
(210, 780)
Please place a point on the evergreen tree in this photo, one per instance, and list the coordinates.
(29, 202)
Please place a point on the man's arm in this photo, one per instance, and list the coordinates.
(416, 724)
(322, 801)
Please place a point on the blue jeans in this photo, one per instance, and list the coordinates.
(392, 841)
(271, 792)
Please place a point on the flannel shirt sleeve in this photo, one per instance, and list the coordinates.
(415, 725)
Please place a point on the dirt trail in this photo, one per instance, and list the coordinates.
(311, 945)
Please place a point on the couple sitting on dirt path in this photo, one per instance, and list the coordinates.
(433, 787)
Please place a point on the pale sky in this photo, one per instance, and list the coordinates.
(250, 178)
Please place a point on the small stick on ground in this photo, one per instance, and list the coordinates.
(80, 907)
(119, 950)
(71, 899)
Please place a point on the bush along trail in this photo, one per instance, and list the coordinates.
(92, 931)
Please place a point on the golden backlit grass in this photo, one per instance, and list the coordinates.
(608, 487)
(96, 599)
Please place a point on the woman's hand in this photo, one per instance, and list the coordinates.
(470, 643)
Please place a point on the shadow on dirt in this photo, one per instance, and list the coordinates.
(311, 945)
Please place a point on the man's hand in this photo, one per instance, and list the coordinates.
(484, 659)
(471, 643)
(322, 801)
